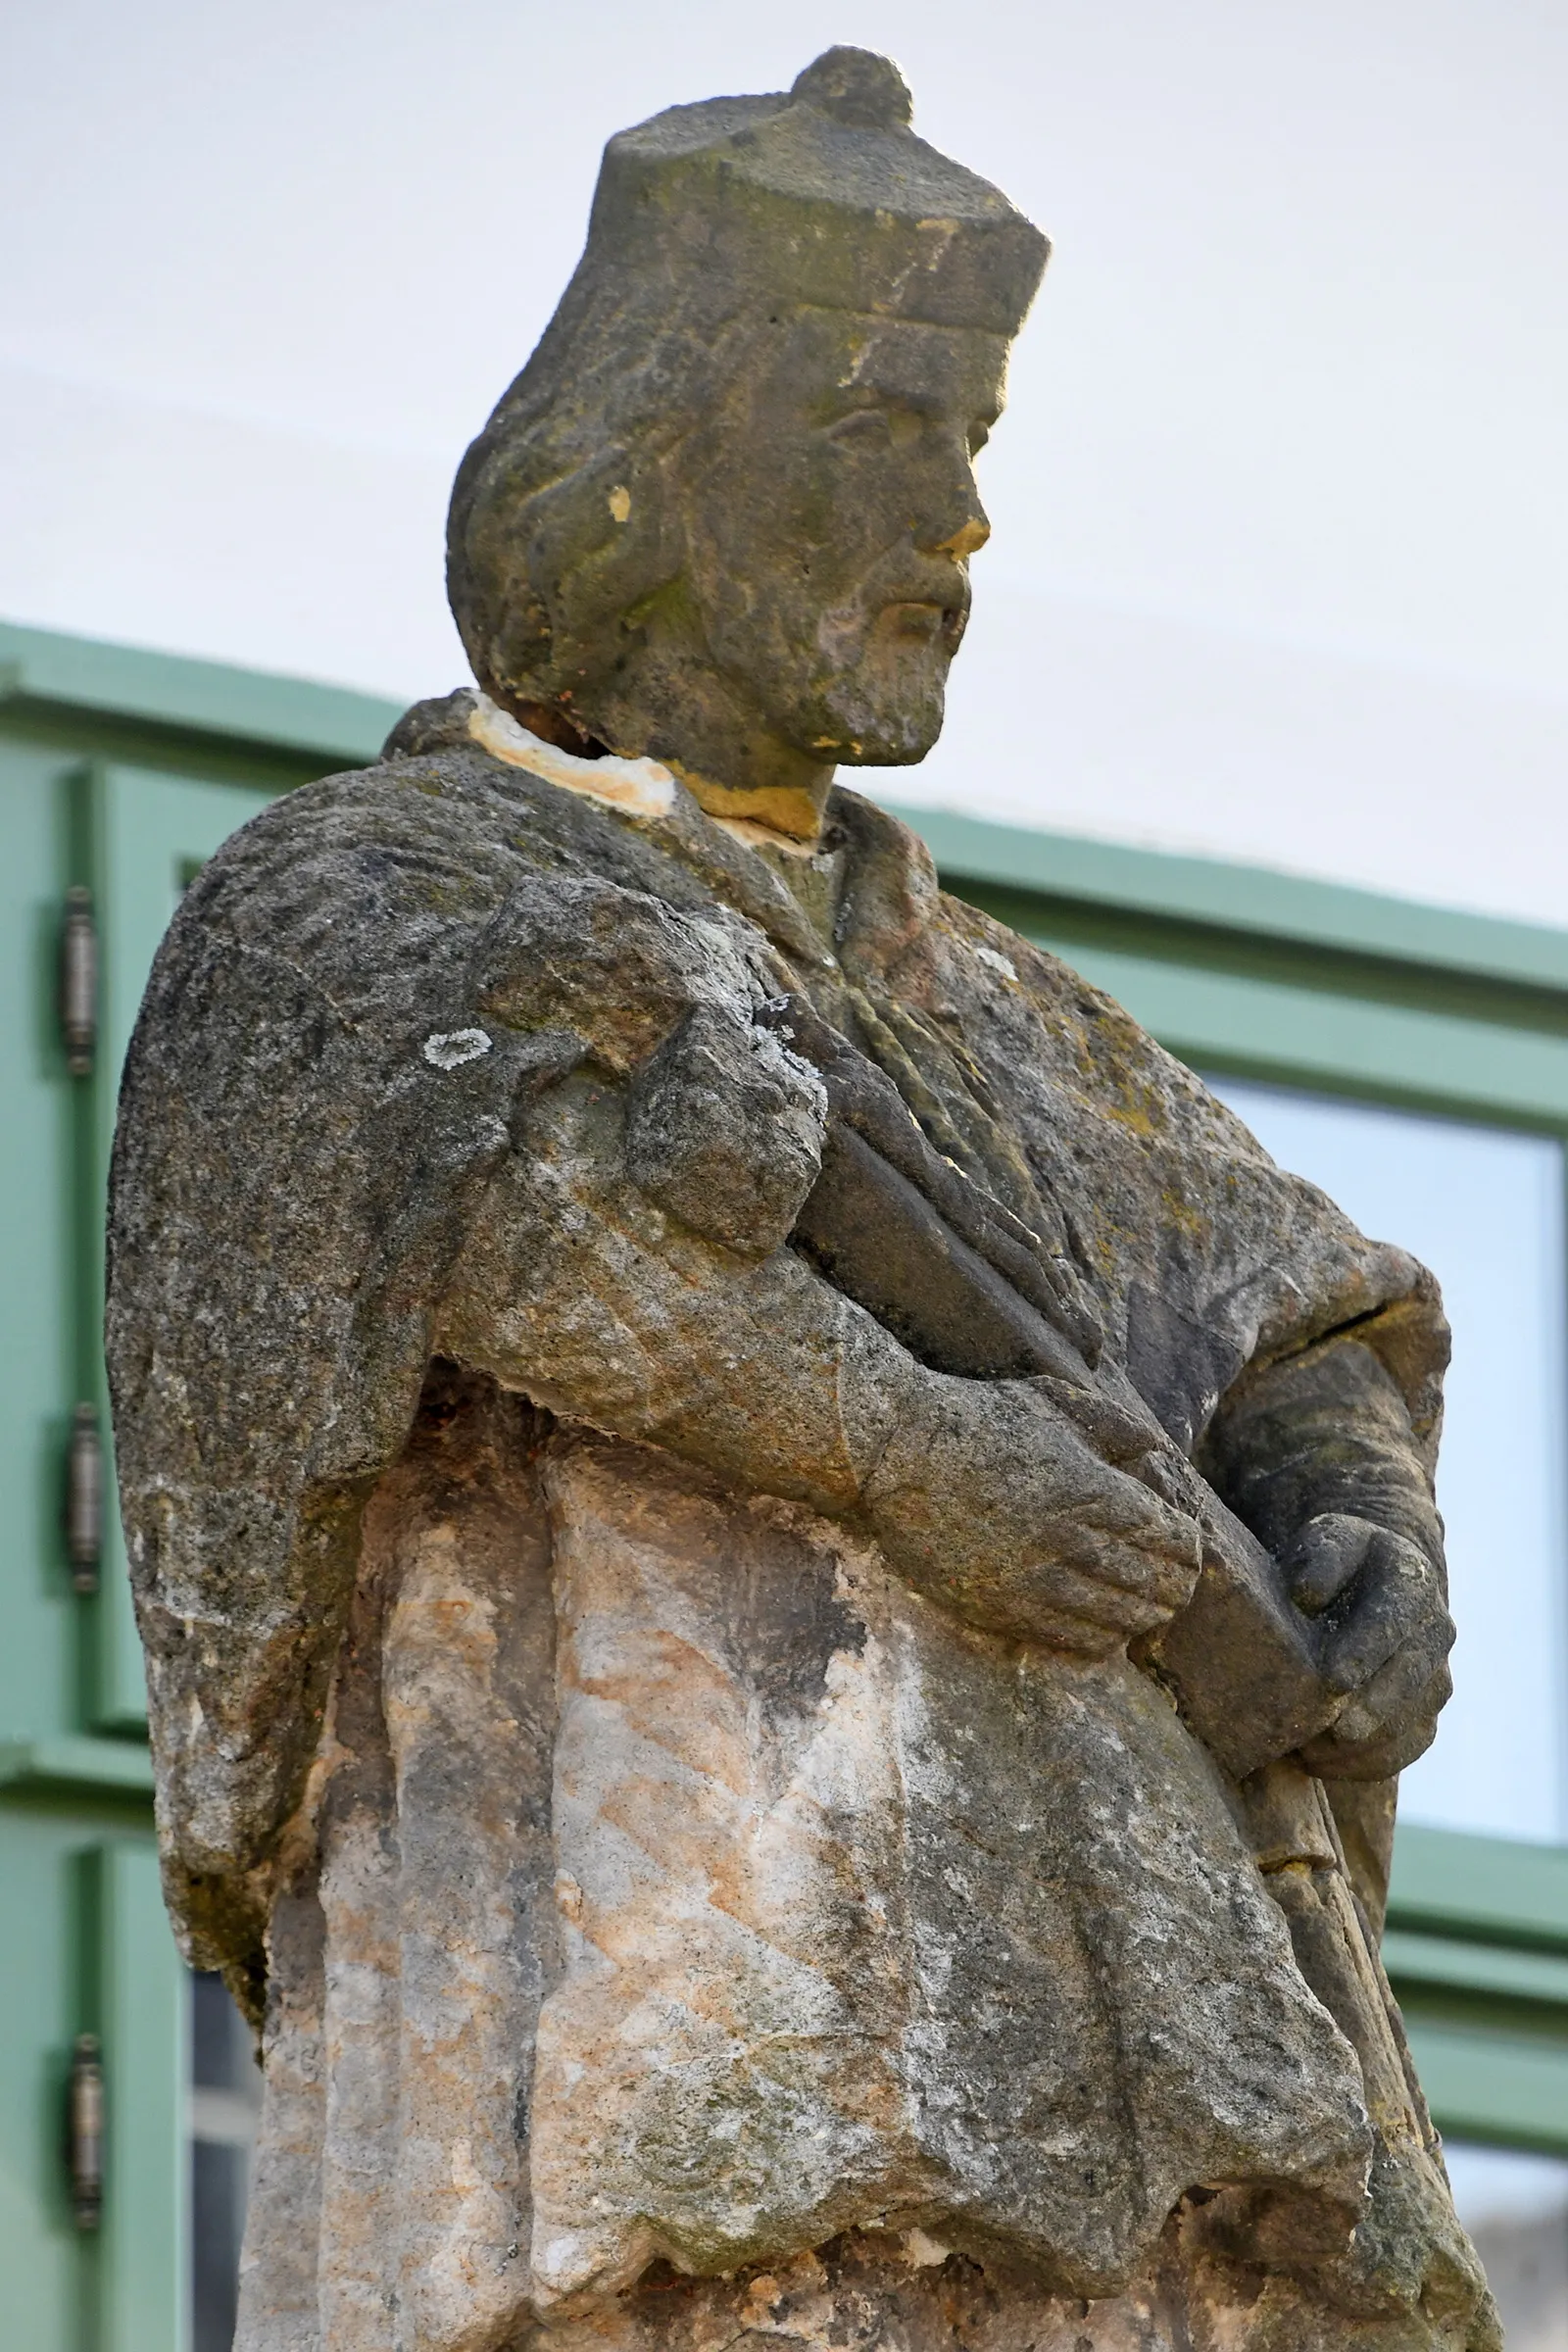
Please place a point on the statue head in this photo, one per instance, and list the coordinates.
(724, 515)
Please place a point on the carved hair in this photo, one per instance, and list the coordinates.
(564, 523)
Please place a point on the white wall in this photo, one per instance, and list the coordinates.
(1281, 554)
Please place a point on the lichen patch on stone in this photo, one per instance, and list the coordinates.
(450, 1049)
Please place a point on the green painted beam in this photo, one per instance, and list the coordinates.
(1427, 1965)
(40, 668)
(74, 1767)
(1485, 1889)
(1345, 1045)
(1211, 892)
(1504, 2089)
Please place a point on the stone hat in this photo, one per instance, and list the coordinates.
(822, 195)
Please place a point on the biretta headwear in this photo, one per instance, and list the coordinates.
(820, 195)
(710, 223)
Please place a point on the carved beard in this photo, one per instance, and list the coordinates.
(884, 698)
(862, 683)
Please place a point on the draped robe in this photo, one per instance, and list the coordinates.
(597, 1726)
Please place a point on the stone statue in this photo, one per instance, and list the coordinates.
(783, 1579)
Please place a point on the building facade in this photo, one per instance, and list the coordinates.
(1414, 1062)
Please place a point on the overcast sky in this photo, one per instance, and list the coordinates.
(1280, 566)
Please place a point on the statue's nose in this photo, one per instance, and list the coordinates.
(954, 522)
(968, 540)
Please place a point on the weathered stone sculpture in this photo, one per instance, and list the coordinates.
(783, 1578)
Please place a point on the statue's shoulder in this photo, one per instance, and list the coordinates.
(435, 827)
(1058, 1045)
(1050, 1040)
(439, 723)
(429, 781)
(373, 889)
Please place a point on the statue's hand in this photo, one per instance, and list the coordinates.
(1382, 1606)
(990, 1499)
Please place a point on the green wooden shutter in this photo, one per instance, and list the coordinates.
(85, 1943)
(142, 2254)
(86, 1948)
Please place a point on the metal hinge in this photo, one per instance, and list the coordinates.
(78, 982)
(84, 2132)
(84, 1498)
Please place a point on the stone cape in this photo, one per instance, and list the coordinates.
(584, 1744)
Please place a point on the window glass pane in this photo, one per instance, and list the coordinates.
(217, 2224)
(1516, 2209)
(226, 2097)
(1484, 1208)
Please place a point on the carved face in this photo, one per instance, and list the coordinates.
(830, 512)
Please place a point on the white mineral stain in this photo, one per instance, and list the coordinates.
(997, 962)
(450, 1049)
(640, 787)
